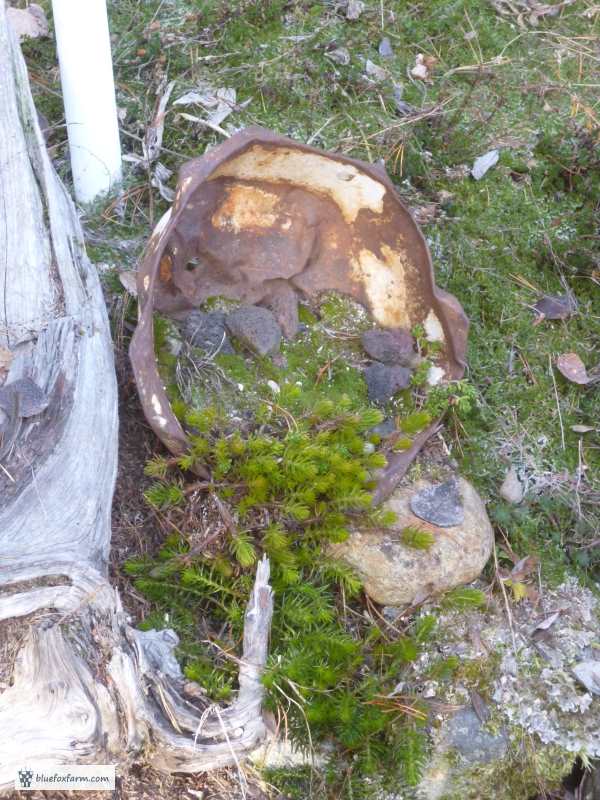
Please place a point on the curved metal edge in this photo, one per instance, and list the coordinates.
(155, 402)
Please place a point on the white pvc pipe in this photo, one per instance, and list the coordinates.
(86, 74)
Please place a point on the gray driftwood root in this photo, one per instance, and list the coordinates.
(77, 683)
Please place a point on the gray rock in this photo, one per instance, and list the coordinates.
(440, 504)
(383, 382)
(256, 328)
(465, 733)
(392, 346)
(31, 399)
(207, 331)
(394, 574)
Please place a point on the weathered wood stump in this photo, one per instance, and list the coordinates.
(77, 683)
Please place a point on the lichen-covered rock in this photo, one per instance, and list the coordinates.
(540, 717)
(256, 328)
(395, 574)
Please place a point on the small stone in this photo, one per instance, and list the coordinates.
(393, 346)
(465, 733)
(383, 382)
(31, 399)
(394, 574)
(512, 488)
(256, 328)
(207, 331)
(440, 504)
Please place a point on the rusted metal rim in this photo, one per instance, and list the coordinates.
(261, 213)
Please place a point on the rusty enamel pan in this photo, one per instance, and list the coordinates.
(262, 217)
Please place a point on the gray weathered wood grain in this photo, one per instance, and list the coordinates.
(85, 685)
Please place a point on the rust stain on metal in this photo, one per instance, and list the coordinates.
(261, 216)
(166, 269)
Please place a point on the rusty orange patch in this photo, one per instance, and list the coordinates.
(166, 268)
(246, 207)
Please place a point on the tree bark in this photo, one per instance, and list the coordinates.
(78, 684)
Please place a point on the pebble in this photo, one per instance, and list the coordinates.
(256, 328)
(394, 346)
(207, 331)
(383, 381)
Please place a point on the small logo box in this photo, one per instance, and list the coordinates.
(74, 777)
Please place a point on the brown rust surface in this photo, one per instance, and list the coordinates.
(261, 218)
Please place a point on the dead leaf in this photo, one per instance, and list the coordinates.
(484, 163)
(512, 488)
(375, 72)
(354, 9)
(424, 214)
(28, 23)
(479, 706)
(160, 176)
(423, 67)
(385, 48)
(551, 306)
(546, 623)
(154, 135)
(402, 107)
(221, 102)
(572, 368)
(341, 55)
(582, 428)
(524, 567)
(129, 281)
(529, 10)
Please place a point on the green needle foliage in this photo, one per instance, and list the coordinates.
(289, 491)
(418, 538)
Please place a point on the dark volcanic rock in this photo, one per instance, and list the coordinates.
(390, 346)
(383, 381)
(440, 504)
(206, 331)
(256, 328)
